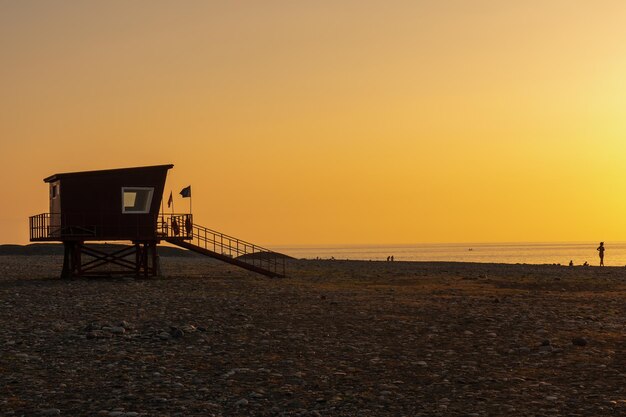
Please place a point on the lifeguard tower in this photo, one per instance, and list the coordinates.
(123, 205)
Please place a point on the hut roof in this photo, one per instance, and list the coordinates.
(56, 177)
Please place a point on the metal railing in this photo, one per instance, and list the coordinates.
(47, 226)
(91, 226)
(39, 226)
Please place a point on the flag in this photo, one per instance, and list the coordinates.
(186, 192)
(170, 200)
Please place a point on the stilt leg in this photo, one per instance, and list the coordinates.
(66, 272)
(77, 268)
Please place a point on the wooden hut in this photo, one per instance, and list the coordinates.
(107, 205)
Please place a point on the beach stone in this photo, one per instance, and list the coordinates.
(92, 326)
(50, 412)
(118, 330)
(579, 341)
(125, 324)
(176, 333)
(189, 328)
(241, 403)
(164, 336)
(93, 335)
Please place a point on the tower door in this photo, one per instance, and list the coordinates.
(55, 208)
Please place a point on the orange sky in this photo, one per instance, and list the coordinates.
(328, 122)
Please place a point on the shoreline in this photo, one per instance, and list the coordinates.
(532, 254)
(186, 254)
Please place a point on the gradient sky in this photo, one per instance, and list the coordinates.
(328, 122)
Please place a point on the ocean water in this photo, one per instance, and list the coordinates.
(510, 253)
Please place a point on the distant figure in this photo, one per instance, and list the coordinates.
(586, 263)
(175, 227)
(388, 258)
(600, 250)
(188, 225)
(391, 258)
(571, 263)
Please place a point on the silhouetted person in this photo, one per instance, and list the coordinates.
(188, 225)
(600, 250)
(391, 258)
(571, 263)
(388, 258)
(175, 227)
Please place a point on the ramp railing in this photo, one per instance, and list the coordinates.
(177, 228)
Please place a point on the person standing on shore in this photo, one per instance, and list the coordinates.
(601, 253)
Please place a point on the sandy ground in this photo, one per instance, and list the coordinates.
(336, 338)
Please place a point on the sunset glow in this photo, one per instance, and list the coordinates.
(328, 122)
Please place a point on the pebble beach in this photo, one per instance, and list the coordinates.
(334, 338)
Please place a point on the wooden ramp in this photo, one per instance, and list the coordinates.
(182, 232)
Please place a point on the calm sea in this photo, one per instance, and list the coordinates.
(512, 253)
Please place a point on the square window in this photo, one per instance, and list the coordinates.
(136, 199)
